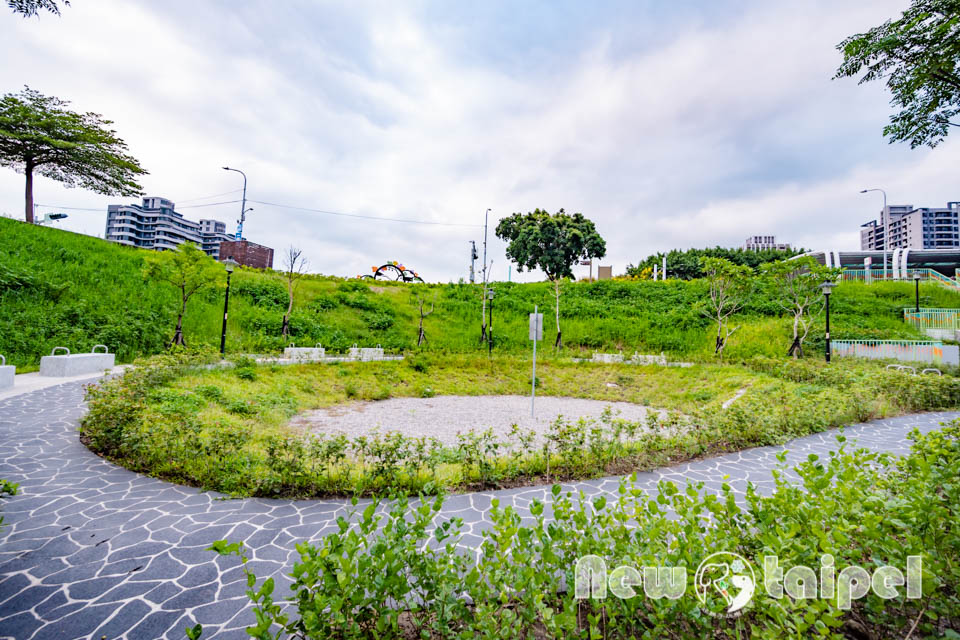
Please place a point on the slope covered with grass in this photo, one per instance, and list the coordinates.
(63, 289)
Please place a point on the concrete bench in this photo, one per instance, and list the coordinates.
(304, 354)
(75, 364)
(366, 354)
(608, 357)
(639, 358)
(7, 374)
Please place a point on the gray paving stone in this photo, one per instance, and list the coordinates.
(131, 551)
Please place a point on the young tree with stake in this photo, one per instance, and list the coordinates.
(730, 286)
(553, 243)
(294, 267)
(796, 285)
(188, 269)
(38, 134)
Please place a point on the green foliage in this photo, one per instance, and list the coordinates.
(7, 489)
(63, 289)
(225, 429)
(918, 58)
(552, 243)
(30, 8)
(39, 134)
(686, 264)
(388, 572)
(188, 269)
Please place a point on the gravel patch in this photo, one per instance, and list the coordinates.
(442, 417)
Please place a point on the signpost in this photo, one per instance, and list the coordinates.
(536, 333)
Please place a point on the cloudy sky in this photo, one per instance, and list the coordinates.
(668, 124)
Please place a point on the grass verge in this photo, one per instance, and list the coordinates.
(225, 429)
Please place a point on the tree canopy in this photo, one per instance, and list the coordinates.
(30, 8)
(39, 134)
(918, 57)
(553, 243)
(687, 264)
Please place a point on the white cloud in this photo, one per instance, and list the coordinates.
(715, 132)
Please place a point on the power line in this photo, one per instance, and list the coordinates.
(295, 208)
(357, 215)
(225, 193)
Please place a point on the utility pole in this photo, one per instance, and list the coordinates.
(473, 260)
(243, 205)
(483, 311)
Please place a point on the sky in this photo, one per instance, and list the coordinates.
(670, 125)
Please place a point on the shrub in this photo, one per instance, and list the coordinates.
(861, 508)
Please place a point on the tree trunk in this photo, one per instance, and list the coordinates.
(285, 331)
(556, 289)
(795, 349)
(178, 333)
(28, 193)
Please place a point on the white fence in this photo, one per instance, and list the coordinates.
(903, 350)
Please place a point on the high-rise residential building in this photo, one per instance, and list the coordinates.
(913, 228)
(155, 224)
(760, 243)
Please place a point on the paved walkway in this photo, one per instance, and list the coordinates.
(91, 550)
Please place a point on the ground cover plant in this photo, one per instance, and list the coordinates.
(63, 289)
(858, 508)
(226, 429)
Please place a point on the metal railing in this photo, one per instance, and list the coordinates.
(933, 318)
(902, 350)
(879, 274)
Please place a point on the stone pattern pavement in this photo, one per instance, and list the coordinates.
(90, 550)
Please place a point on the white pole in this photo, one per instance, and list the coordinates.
(663, 270)
(533, 379)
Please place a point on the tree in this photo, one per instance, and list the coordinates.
(553, 243)
(796, 285)
(421, 336)
(918, 56)
(294, 267)
(38, 134)
(30, 8)
(730, 286)
(685, 264)
(188, 269)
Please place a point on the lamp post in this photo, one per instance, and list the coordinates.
(229, 264)
(886, 230)
(243, 205)
(490, 294)
(826, 287)
(916, 280)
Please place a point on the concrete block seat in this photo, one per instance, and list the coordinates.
(304, 354)
(7, 374)
(76, 364)
(608, 357)
(366, 354)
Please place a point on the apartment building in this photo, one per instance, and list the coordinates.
(155, 224)
(913, 228)
(760, 243)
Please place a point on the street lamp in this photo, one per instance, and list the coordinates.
(490, 295)
(229, 264)
(243, 204)
(916, 280)
(886, 230)
(826, 287)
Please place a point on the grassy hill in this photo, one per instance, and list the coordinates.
(62, 289)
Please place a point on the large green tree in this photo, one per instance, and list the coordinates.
(38, 134)
(189, 270)
(30, 8)
(554, 243)
(918, 57)
(729, 287)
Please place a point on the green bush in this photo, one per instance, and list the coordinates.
(393, 574)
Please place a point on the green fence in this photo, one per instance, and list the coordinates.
(933, 318)
(903, 350)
